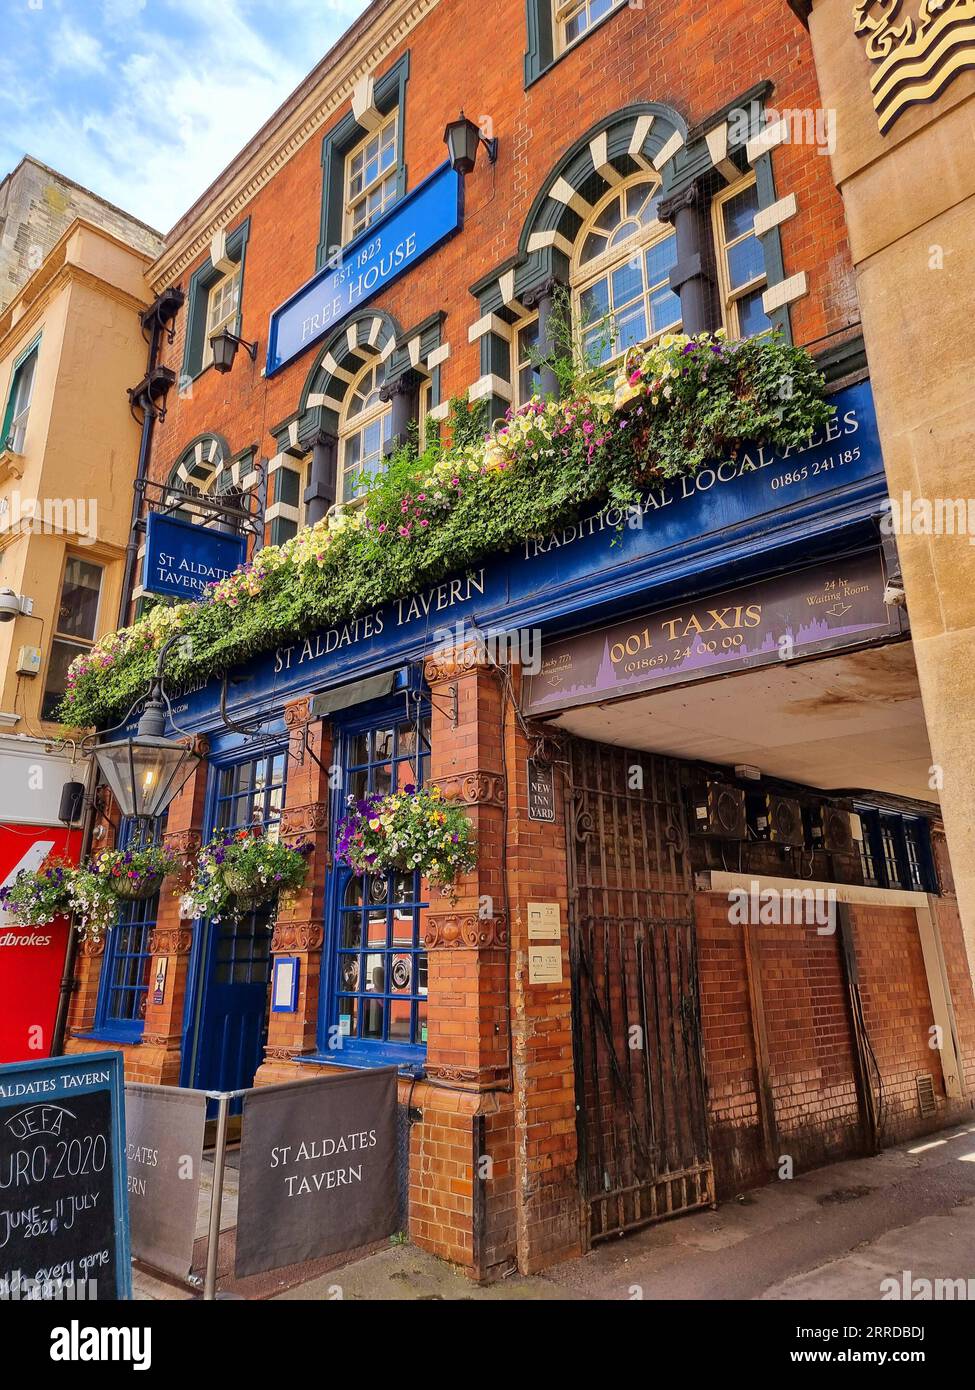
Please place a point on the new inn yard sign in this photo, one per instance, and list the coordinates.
(416, 224)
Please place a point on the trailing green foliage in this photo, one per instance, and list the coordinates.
(431, 514)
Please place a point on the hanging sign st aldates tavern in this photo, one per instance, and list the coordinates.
(416, 224)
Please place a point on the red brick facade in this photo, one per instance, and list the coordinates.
(677, 55)
(493, 1180)
(790, 1033)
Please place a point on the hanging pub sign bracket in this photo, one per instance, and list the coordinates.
(231, 508)
(453, 709)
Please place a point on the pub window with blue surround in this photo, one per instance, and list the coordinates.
(124, 986)
(375, 1007)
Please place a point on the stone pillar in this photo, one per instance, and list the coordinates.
(322, 481)
(692, 278)
(404, 392)
(542, 299)
(160, 1052)
(916, 286)
(299, 929)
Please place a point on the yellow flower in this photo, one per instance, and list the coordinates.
(375, 824)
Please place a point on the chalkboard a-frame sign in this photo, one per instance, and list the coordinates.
(64, 1216)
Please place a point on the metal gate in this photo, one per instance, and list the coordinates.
(640, 1090)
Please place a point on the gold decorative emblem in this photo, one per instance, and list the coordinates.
(915, 58)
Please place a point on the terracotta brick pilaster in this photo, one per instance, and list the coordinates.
(88, 961)
(159, 1053)
(548, 1204)
(299, 929)
(467, 937)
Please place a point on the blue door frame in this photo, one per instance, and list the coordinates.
(225, 1020)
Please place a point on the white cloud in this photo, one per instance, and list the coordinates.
(75, 48)
(149, 104)
(121, 11)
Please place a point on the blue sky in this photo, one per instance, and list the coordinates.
(145, 101)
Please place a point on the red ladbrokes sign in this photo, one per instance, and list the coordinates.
(31, 958)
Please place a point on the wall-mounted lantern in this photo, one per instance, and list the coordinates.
(225, 345)
(462, 138)
(146, 772)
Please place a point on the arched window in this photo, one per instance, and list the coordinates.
(365, 430)
(621, 273)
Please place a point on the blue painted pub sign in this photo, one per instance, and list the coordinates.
(414, 226)
(182, 559)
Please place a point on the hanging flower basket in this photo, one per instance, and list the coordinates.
(240, 882)
(94, 903)
(37, 896)
(131, 891)
(415, 829)
(240, 870)
(135, 874)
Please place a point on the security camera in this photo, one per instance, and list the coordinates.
(13, 605)
(894, 596)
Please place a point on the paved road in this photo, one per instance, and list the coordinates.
(833, 1233)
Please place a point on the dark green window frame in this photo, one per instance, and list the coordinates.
(389, 92)
(202, 282)
(32, 350)
(540, 25)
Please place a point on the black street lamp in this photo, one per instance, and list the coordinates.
(462, 138)
(224, 345)
(146, 772)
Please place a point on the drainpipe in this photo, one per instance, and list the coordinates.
(149, 397)
(66, 987)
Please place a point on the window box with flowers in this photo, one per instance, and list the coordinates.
(674, 407)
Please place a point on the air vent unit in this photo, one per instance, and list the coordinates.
(721, 812)
(783, 820)
(926, 1098)
(837, 833)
